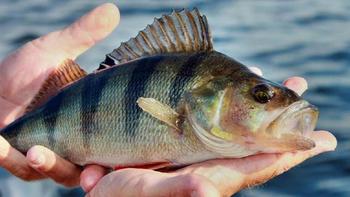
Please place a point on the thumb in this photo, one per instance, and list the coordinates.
(81, 35)
(325, 142)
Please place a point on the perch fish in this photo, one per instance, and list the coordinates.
(164, 98)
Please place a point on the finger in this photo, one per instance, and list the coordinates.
(90, 176)
(48, 163)
(183, 185)
(297, 84)
(9, 112)
(231, 175)
(256, 70)
(122, 182)
(90, 29)
(82, 34)
(324, 140)
(24, 71)
(133, 182)
(15, 162)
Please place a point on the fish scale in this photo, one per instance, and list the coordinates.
(106, 123)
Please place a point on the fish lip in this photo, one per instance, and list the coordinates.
(296, 107)
(295, 112)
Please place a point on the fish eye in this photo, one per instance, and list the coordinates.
(263, 93)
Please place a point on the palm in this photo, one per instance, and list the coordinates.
(211, 178)
(21, 76)
(23, 73)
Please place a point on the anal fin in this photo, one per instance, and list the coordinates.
(63, 75)
(151, 166)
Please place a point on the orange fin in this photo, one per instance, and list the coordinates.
(63, 75)
(152, 166)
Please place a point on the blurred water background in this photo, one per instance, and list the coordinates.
(309, 38)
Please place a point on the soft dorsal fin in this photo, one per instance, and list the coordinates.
(63, 75)
(181, 31)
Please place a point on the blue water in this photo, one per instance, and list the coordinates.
(285, 38)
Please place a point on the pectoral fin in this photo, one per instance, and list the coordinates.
(160, 111)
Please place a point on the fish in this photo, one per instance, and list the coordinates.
(164, 98)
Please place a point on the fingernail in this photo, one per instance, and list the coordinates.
(301, 90)
(88, 183)
(4, 148)
(327, 145)
(297, 84)
(37, 159)
(256, 70)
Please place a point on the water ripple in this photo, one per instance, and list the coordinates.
(307, 38)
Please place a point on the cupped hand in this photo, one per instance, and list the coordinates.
(22, 74)
(212, 178)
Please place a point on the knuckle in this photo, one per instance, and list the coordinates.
(4, 151)
(79, 29)
(2, 159)
(23, 172)
(250, 182)
(61, 180)
(141, 185)
(284, 169)
(66, 181)
(191, 180)
(272, 175)
(194, 184)
(38, 43)
(24, 175)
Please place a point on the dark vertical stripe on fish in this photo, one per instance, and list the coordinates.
(184, 75)
(135, 89)
(50, 115)
(90, 99)
(11, 132)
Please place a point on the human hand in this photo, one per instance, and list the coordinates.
(222, 177)
(22, 74)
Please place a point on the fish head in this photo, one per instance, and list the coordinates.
(243, 108)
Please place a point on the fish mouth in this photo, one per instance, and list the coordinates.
(299, 118)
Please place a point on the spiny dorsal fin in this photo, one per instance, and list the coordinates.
(65, 74)
(181, 31)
